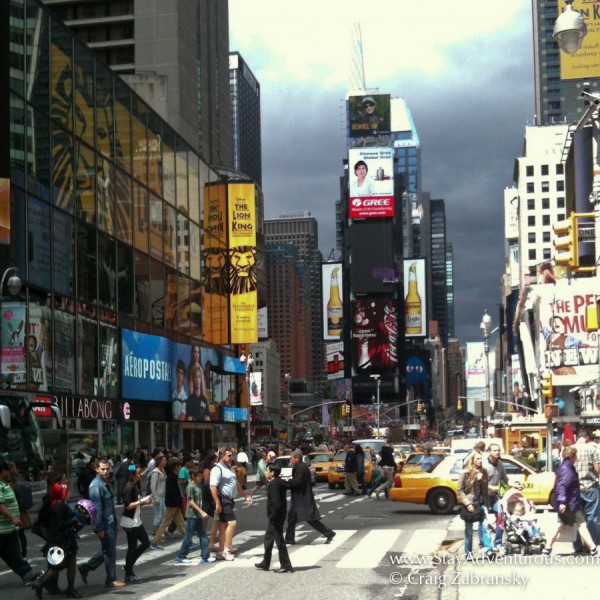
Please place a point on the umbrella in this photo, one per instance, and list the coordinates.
(568, 434)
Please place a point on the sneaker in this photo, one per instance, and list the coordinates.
(210, 559)
(156, 547)
(225, 556)
(182, 561)
(594, 552)
(546, 551)
(232, 550)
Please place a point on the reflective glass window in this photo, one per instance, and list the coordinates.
(86, 263)
(39, 243)
(63, 242)
(85, 194)
(156, 227)
(124, 219)
(169, 234)
(87, 354)
(125, 278)
(140, 217)
(141, 307)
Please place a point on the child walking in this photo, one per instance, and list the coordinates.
(194, 522)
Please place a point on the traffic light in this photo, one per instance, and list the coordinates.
(419, 407)
(546, 387)
(344, 409)
(566, 242)
(458, 404)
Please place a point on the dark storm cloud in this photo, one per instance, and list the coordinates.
(470, 119)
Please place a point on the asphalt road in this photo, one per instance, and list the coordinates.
(371, 536)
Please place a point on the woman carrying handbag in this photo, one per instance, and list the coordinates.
(473, 496)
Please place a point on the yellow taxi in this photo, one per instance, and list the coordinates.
(336, 476)
(412, 464)
(321, 462)
(439, 488)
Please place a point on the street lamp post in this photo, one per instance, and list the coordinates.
(287, 378)
(378, 380)
(248, 361)
(486, 323)
(14, 287)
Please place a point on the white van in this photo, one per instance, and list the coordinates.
(464, 446)
(376, 444)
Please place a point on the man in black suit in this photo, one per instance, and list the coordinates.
(276, 509)
(304, 507)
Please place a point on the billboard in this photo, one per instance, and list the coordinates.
(584, 63)
(256, 391)
(215, 302)
(263, 323)
(511, 213)
(568, 350)
(516, 385)
(415, 301)
(243, 296)
(369, 118)
(374, 337)
(335, 360)
(13, 357)
(331, 304)
(372, 247)
(371, 183)
(4, 211)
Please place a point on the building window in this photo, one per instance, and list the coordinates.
(530, 187)
(545, 186)
(531, 237)
(545, 203)
(529, 170)
(531, 221)
(547, 255)
(532, 255)
(560, 169)
(546, 237)
(544, 169)
(560, 202)
(560, 186)
(546, 220)
(531, 204)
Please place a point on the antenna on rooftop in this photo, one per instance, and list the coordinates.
(357, 63)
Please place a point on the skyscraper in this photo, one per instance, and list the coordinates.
(556, 85)
(302, 231)
(175, 55)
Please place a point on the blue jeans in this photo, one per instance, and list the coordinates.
(496, 508)
(484, 537)
(590, 504)
(107, 555)
(191, 526)
(159, 512)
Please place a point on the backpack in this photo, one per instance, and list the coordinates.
(149, 485)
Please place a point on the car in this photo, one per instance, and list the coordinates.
(321, 461)
(439, 488)
(375, 444)
(336, 475)
(406, 449)
(286, 468)
(412, 464)
(399, 456)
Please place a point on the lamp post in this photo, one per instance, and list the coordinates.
(287, 378)
(484, 326)
(377, 378)
(248, 361)
(14, 287)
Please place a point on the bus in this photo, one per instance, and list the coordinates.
(21, 440)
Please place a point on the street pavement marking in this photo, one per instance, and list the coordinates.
(308, 555)
(425, 541)
(371, 549)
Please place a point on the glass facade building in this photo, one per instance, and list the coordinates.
(101, 208)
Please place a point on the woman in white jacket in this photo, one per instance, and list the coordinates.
(158, 479)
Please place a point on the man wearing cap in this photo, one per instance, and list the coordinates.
(370, 116)
(10, 547)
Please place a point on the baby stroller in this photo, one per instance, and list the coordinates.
(521, 531)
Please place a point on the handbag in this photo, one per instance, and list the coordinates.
(471, 517)
(568, 517)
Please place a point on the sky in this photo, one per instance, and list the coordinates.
(465, 69)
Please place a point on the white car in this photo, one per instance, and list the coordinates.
(286, 468)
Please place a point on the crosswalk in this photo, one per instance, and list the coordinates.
(351, 549)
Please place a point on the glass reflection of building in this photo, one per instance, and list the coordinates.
(104, 224)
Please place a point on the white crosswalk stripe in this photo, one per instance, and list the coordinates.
(372, 548)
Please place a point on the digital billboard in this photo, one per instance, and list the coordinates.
(415, 300)
(374, 334)
(4, 211)
(371, 183)
(584, 63)
(372, 246)
(369, 117)
(331, 304)
(335, 360)
(568, 350)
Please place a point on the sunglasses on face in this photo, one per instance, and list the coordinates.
(368, 105)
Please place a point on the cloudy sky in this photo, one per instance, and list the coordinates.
(464, 68)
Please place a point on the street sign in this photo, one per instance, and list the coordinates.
(586, 232)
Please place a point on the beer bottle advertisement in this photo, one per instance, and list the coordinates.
(332, 307)
(414, 306)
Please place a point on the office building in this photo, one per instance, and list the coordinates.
(174, 54)
(559, 78)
